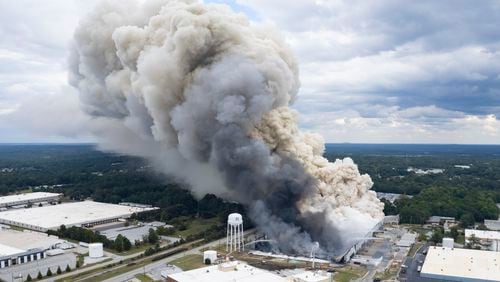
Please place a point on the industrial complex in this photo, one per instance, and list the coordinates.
(28, 198)
(457, 264)
(244, 255)
(85, 214)
(17, 247)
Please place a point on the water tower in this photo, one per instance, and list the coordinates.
(234, 240)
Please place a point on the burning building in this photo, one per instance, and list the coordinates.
(204, 94)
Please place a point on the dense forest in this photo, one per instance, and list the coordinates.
(462, 181)
(81, 172)
(448, 180)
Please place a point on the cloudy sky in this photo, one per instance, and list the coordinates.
(371, 71)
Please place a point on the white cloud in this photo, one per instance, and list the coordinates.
(371, 71)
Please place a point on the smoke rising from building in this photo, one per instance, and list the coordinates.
(204, 95)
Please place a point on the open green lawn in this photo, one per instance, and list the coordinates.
(390, 273)
(348, 273)
(133, 250)
(144, 278)
(189, 262)
(196, 225)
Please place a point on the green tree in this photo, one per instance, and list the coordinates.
(118, 243)
(152, 236)
(49, 272)
(39, 276)
(127, 245)
(422, 237)
(68, 269)
(28, 278)
(59, 271)
(481, 226)
(467, 220)
(437, 235)
(454, 232)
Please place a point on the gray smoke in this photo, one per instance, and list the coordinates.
(204, 94)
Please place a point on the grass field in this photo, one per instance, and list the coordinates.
(189, 262)
(196, 225)
(133, 250)
(390, 273)
(144, 278)
(348, 273)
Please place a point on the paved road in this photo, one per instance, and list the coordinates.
(114, 259)
(32, 268)
(412, 275)
(131, 274)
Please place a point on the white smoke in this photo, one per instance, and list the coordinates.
(204, 95)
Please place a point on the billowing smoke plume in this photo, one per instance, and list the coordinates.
(204, 95)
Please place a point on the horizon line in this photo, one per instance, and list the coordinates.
(326, 143)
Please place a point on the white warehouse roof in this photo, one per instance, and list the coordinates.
(235, 271)
(26, 197)
(8, 250)
(69, 214)
(453, 264)
(482, 234)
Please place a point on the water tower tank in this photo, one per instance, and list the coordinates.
(235, 219)
(95, 250)
(234, 239)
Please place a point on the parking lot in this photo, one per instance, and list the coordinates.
(32, 268)
(412, 274)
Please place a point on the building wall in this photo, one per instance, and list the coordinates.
(22, 258)
(451, 278)
(33, 201)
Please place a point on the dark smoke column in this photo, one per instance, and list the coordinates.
(204, 95)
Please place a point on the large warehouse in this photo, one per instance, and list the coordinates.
(86, 214)
(461, 265)
(28, 198)
(228, 271)
(21, 247)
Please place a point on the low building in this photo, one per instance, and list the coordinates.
(310, 276)
(391, 219)
(488, 240)
(28, 198)
(440, 220)
(17, 247)
(461, 265)
(407, 240)
(84, 214)
(233, 271)
(354, 249)
(492, 224)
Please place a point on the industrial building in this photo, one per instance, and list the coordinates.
(354, 249)
(492, 224)
(28, 198)
(84, 214)
(461, 265)
(238, 271)
(488, 240)
(17, 247)
(228, 271)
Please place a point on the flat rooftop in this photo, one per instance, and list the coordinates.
(6, 200)
(6, 251)
(312, 276)
(462, 263)
(69, 214)
(26, 240)
(235, 271)
(483, 234)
